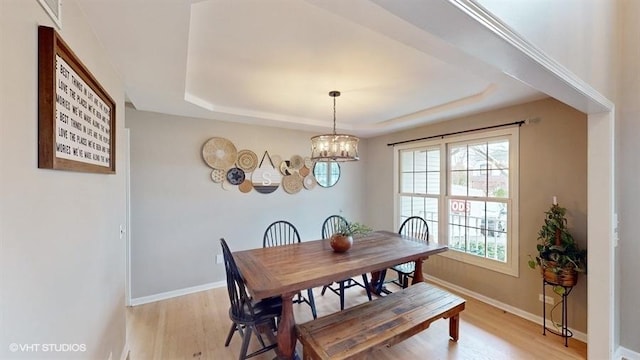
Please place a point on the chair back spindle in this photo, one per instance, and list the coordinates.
(332, 224)
(415, 227)
(280, 233)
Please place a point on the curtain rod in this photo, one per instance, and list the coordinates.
(519, 123)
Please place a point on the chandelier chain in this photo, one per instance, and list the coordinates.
(334, 115)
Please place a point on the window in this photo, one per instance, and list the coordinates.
(466, 189)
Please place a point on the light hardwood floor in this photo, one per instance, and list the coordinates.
(195, 327)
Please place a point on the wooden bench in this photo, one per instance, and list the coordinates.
(360, 330)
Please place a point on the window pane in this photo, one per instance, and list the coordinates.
(499, 184)
(457, 235)
(431, 215)
(458, 157)
(499, 154)
(420, 161)
(418, 207)
(478, 183)
(406, 161)
(406, 183)
(433, 182)
(459, 183)
(478, 228)
(420, 183)
(405, 206)
(433, 160)
(478, 156)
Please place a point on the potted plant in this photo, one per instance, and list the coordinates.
(559, 257)
(342, 239)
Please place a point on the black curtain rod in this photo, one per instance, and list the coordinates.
(519, 123)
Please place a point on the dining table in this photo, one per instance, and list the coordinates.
(286, 270)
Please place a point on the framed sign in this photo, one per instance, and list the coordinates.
(76, 116)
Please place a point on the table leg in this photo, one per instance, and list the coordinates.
(417, 275)
(286, 329)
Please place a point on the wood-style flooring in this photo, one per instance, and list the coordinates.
(195, 327)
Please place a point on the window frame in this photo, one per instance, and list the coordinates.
(441, 235)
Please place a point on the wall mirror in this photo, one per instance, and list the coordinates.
(327, 174)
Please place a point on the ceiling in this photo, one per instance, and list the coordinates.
(274, 62)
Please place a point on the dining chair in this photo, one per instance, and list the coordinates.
(329, 227)
(417, 228)
(284, 233)
(248, 315)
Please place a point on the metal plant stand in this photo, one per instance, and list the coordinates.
(564, 329)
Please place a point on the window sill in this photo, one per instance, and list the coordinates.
(508, 268)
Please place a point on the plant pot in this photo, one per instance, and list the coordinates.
(567, 276)
(341, 243)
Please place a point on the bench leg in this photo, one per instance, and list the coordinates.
(454, 326)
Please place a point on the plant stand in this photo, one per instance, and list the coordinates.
(564, 329)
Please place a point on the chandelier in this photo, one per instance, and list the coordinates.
(334, 147)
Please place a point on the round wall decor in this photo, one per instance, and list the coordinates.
(219, 153)
(296, 162)
(266, 178)
(309, 182)
(218, 175)
(247, 160)
(246, 186)
(292, 183)
(235, 176)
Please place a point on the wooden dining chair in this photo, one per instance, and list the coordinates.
(329, 227)
(417, 228)
(284, 233)
(248, 316)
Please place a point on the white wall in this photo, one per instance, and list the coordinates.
(579, 34)
(61, 258)
(598, 41)
(179, 214)
(628, 175)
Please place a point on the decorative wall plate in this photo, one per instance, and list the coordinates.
(218, 175)
(296, 162)
(235, 176)
(304, 171)
(309, 182)
(247, 160)
(229, 186)
(246, 186)
(292, 183)
(285, 169)
(219, 153)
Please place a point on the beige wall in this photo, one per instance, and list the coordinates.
(628, 173)
(582, 35)
(61, 257)
(178, 214)
(553, 161)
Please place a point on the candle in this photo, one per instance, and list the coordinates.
(555, 201)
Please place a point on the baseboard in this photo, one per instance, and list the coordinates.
(176, 293)
(623, 353)
(578, 335)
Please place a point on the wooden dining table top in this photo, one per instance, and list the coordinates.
(277, 270)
